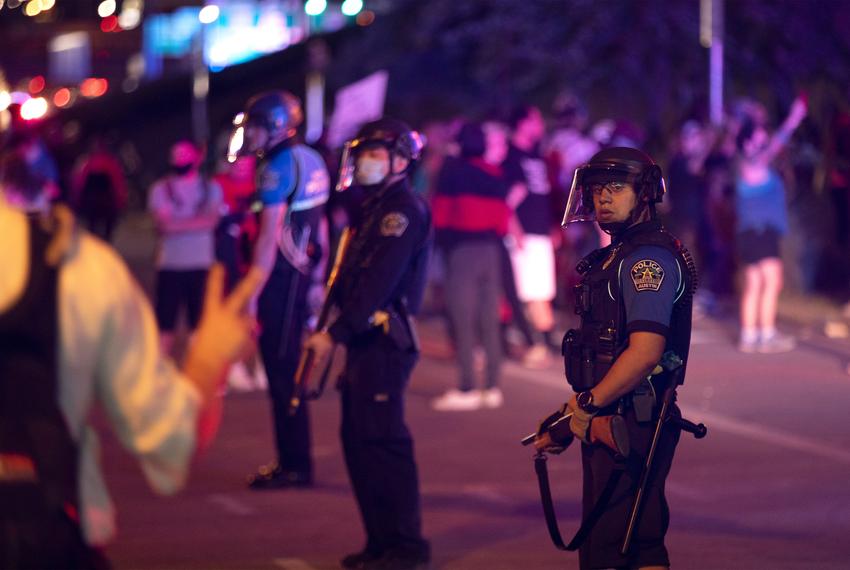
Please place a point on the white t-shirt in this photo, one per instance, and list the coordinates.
(193, 249)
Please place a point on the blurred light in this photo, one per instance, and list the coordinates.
(33, 8)
(315, 7)
(236, 142)
(46, 4)
(109, 24)
(237, 120)
(5, 100)
(33, 109)
(73, 40)
(62, 97)
(36, 84)
(208, 14)
(106, 8)
(129, 18)
(1, 4)
(352, 7)
(93, 87)
(19, 97)
(365, 18)
(12, 4)
(130, 84)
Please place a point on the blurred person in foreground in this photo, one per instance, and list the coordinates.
(185, 208)
(293, 187)
(378, 290)
(762, 219)
(635, 307)
(533, 253)
(471, 215)
(75, 328)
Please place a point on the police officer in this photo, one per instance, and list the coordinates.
(293, 186)
(635, 306)
(380, 286)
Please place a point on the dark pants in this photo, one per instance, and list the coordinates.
(473, 283)
(378, 446)
(177, 288)
(512, 296)
(602, 547)
(292, 433)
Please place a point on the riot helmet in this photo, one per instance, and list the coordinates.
(610, 169)
(269, 119)
(396, 137)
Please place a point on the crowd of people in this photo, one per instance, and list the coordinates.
(497, 186)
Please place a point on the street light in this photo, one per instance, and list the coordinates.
(315, 7)
(209, 14)
(106, 8)
(352, 7)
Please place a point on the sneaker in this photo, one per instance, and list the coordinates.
(271, 476)
(748, 346)
(777, 343)
(537, 357)
(238, 378)
(360, 559)
(457, 401)
(261, 381)
(492, 398)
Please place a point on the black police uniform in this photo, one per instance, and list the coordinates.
(384, 270)
(643, 281)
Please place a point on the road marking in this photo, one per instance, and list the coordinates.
(230, 504)
(727, 424)
(292, 564)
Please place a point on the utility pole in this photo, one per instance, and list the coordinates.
(711, 37)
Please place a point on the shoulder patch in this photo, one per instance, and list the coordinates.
(394, 224)
(647, 275)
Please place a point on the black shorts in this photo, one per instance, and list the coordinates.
(179, 288)
(601, 549)
(756, 245)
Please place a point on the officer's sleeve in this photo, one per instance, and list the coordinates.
(277, 180)
(400, 233)
(650, 280)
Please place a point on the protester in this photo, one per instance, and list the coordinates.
(99, 190)
(81, 330)
(186, 208)
(762, 221)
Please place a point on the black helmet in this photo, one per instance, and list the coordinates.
(278, 112)
(616, 164)
(394, 135)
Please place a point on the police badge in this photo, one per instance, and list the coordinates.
(647, 275)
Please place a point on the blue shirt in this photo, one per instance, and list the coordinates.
(651, 281)
(296, 175)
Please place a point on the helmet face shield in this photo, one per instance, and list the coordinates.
(590, 179)
(346, 167)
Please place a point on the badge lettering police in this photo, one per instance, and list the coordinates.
(394, 224)
(647, 275)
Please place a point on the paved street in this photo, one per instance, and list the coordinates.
(768, 488)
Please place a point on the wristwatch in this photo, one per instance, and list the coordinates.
(585, 402)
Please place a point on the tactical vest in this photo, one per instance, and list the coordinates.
(38, 457)
(590, 351)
